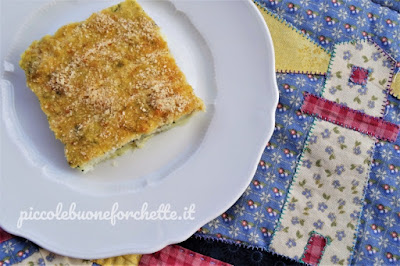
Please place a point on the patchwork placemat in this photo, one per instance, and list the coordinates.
(339, 156)
(337, 162)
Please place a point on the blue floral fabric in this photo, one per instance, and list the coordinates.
(16, 250)
(379, 236)
(392, 4)
(252, 219)
(331, 21)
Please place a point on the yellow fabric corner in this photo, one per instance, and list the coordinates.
(132, 260)
(53, 259)
(395, 87)
(293, 51)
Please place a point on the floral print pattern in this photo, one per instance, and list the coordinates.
(338, 157)
(44, 257)
(329, 22)
(268, 189)
(334, 213)
(238, 223)
(378, 241)
(15, 250)
(393, 4)
(361, 82)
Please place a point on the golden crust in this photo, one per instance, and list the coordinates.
(107, 81)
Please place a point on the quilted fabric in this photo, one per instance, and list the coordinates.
(393, 4)
(378, 242)
(369, 97)
(331, 21)
(314, 250)
(15, 250)
(331, 176)
(373, 21)
(359, 75)
(349, 118)
(300, 54)
(175, 255)
(325, 195)
(252, 219)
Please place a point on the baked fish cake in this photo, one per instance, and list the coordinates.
(106, 82)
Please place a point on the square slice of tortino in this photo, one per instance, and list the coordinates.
(107, 82)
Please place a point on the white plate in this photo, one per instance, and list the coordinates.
(226, 52)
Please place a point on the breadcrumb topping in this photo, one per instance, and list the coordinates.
(107, 81)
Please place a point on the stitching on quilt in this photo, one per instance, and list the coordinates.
(307, 97)
(374, 4)
(204, 233)
(381, 50)
(387, 55)
(389, 85)
(357, 81)
(351, 234)
(309, 241)
(278, 224)
(356, 231)
(230, 241)
(290, 25)
(391, 91)
(242, 245)
(286, 71)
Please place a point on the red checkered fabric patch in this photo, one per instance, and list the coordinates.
(314, 249)
(359, 75)
(176, 255)
(4, 236)
(349, 118)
